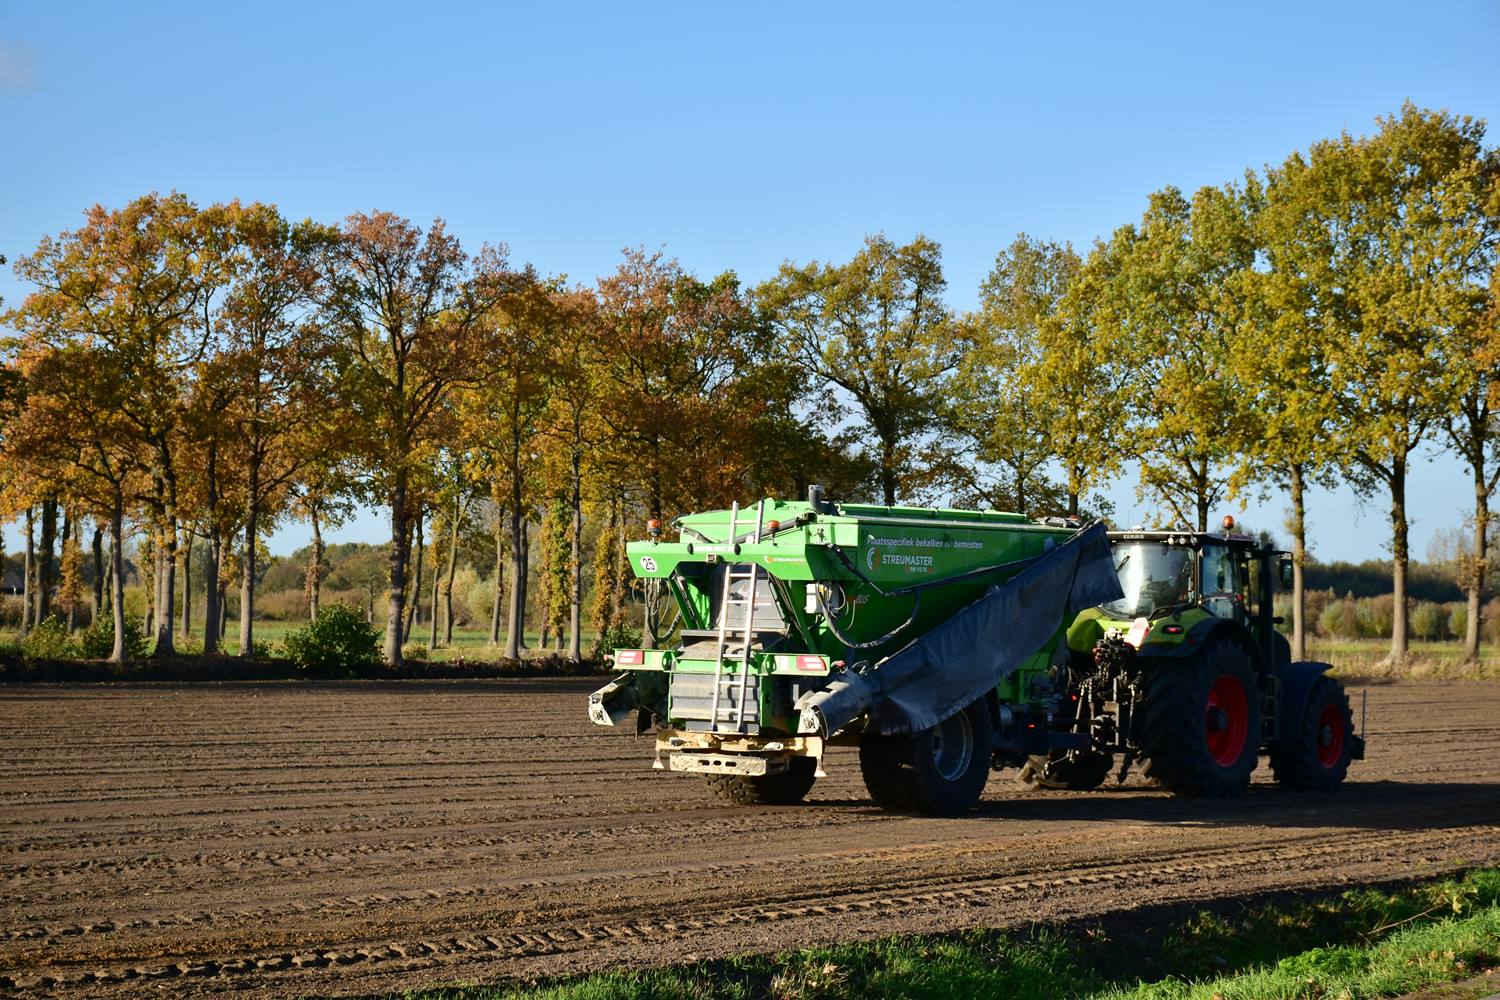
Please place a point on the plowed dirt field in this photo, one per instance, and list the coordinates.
(284, 839)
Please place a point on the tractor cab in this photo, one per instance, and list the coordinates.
(1177, 583)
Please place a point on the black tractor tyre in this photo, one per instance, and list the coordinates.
(784, 789)
(1201, 722)
(881, 760)
(1313, 753)
(1067, 770)
(939, 771)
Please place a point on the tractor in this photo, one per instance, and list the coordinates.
(1187, 673)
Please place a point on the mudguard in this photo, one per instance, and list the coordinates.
(1197, 637)
(1295, 680)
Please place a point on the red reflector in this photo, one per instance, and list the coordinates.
(629, 657)
(1173, 630)
(810, 664)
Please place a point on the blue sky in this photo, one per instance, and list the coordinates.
(734, 136)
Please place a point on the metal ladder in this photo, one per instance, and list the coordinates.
(727, 604)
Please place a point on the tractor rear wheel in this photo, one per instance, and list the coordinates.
(1201, 722)
(1314, 753)
(938, 771)
(783, 789)
(1068, 770)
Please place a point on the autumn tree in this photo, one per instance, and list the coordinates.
(501, 420)
(876, 331)
(135, 282)
(277, 359)
(569, 430)
(407, 307)
(73, 431)
(1169, 316)
(1383, 251)
(1461, 273)
(998, 401)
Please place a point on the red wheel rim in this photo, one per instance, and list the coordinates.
(1226, 724)
(1330, 736)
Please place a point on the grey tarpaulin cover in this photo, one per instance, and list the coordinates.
(937, 675)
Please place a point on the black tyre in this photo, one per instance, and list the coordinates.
(1313, 753)
(1200, 725)
(881, 761)
(1067, 770)
(787, 788)
(939, 771)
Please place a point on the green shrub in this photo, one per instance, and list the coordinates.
(262, 649)
(1458, 621)
(50, 640)
(414, 651)
(339, 639)
(619, 637)
(98, 640)
(1427, 621)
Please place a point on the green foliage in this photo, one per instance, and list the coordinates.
(1458, 620)
(415, 651)
(617, 637)
(876, 329)
(338, 640)
(1428, 621)
(49, 640)
(98, 640)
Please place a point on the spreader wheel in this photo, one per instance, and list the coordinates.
(1314, 753)
(1067, 770)
(939, 771)
(787, 788)
(1201, 724)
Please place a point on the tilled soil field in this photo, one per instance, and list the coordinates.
(284, 839)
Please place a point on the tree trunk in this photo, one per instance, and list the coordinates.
(98, 573)
(437, 579)
(28, 574)
(452, 568)
(575, 569)
(525, 578)
(499, 579)
(108, 571)
(416, 587)
(44, 561)
(187, 586)
(211, 591)
(888, 472)
(62, 555)
(1299, 559)
(396, 602)
(117, 573)
(247, 562)
(168, 584)
(315, 569)
(1399, 559)
(1479, 559)
(514, 619)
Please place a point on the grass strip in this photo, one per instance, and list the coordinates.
(1357, 944)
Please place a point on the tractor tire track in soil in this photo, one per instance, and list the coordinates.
(279, 839)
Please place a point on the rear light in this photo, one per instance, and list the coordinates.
(810, 664)
(629, 657)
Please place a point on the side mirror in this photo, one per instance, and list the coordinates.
(1286, 574)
